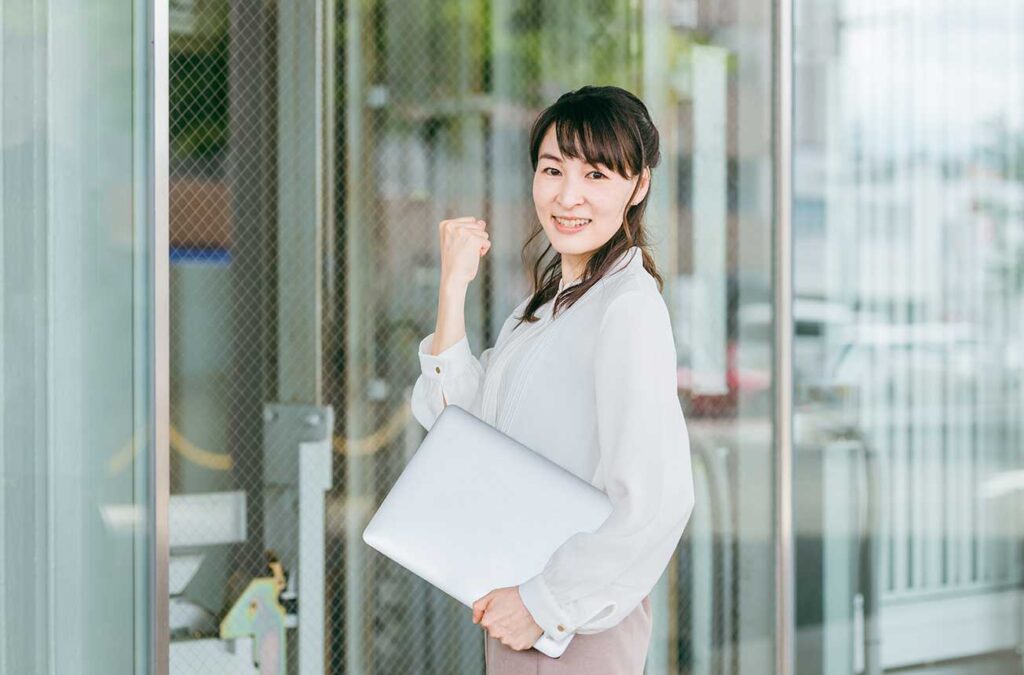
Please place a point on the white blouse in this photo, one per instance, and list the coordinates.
(593, 390)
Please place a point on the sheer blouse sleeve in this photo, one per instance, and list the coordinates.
(595, 579)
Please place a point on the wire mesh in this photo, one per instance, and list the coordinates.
(315, 148)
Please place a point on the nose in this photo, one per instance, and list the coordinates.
(570, 193)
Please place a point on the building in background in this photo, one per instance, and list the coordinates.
(313, 149)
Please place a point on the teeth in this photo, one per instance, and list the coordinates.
(575, 222)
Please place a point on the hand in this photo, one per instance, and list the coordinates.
(504, 616)
(464, 241)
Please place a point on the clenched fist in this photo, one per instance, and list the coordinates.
(464, 241)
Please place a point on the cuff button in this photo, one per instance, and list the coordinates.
(437, 369)
(561, 628)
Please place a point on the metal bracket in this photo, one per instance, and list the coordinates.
(297, 471)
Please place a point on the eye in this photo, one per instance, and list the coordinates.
(598, 173)
(549, 168)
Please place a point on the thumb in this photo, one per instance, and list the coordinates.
(480, 607)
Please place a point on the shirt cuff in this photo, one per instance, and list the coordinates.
(450, 362)
(544, 610)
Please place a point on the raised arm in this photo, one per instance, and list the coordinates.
(449, 372)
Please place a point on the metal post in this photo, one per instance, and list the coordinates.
(314, 481)
(250, 177)
(300, 201)
(157, 213)
(356, 415)
(297, 447)
(782, 148)
(870, 562)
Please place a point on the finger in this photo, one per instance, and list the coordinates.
(467, 222)
(462, 228)
(480, 607)
(460, 222)
(489, 621)
(454, 223)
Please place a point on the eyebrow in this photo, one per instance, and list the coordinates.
(595, 165)
(548, 155)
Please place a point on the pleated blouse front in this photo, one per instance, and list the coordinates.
(593, 390)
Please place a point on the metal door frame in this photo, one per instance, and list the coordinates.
(154, 17)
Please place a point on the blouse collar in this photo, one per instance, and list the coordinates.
(631, 258)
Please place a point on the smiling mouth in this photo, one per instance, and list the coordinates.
(571, 223)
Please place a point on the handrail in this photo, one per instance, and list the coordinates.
(222, 461)
(722, 517)
(868, 549)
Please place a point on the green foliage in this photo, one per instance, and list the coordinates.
(436, 59)
(199, 88)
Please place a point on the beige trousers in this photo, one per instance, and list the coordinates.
(620, 650)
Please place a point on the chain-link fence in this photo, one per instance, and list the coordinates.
(315, 148)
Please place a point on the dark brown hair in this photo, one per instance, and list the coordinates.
(600, 125)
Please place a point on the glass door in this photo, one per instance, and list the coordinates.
(909, 237)
(315, 146)
(76, 357)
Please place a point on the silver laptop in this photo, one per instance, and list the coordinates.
(476, 510)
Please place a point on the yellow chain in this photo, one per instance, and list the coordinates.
(218, 461)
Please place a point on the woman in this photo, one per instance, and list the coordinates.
(584, 373)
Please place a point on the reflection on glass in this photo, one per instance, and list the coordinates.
(450, 139)
(909, 235)
(75, 356)
(283, 294)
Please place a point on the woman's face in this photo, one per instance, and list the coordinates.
(580, 206)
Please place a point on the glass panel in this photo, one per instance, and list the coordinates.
(305, 198)
(909, 235)
(75, 361)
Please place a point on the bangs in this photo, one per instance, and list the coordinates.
(588, 131)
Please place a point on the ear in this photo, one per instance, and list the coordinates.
(645, 184)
